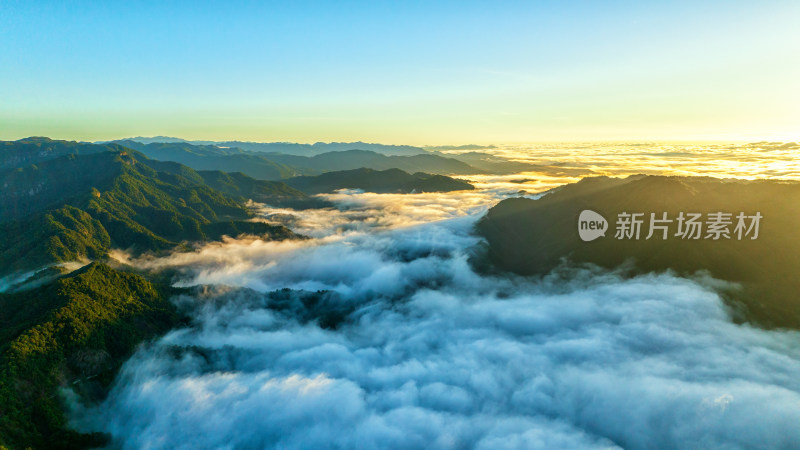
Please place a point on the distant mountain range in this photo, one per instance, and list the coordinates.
(290, 148)
(210, 157)
(432, 148)
(276, 166)
(356, 159)
(535, 236)
(380, 181)
(274, 161)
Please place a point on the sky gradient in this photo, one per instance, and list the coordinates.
(401, 72)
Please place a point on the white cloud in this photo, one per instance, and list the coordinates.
(434, 355)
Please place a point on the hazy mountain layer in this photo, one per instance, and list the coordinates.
(497, 165)
(275, 166)
(355, 159)
(291, 148)
(210, 157)
(381, 181)
(323, 147)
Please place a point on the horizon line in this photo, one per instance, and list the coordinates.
(450, 144)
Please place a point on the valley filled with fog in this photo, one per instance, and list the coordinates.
(384, 329)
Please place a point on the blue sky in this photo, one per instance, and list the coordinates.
(401, 72)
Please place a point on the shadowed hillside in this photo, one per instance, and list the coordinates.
(533, 236)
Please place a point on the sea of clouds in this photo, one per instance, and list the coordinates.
(425, 352)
